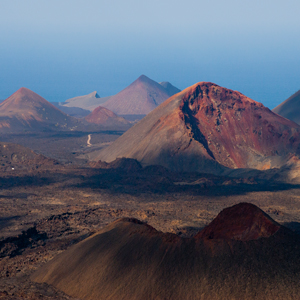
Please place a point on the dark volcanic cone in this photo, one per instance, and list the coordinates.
(204, 126)
(131, 260)
(139, 98)
(106, 117)
(26, 110)
(290, 108)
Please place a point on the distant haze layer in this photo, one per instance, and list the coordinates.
(62, 49)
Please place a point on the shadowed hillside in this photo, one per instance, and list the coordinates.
(14, 157)
(131, 260)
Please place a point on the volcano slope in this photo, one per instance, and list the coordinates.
(290, 108)
(106, 117)
(26, 110)
(87, 102)
(140, 97)
(242, 254)
(170, 89)
(207, 128)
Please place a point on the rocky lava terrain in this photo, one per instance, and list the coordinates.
(177, 177)
(46, 210)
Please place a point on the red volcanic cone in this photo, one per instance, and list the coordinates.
(243, 221)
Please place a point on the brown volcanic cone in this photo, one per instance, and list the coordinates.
(131, 260)
(242, 222)
(27, 110)
(204, 125)
(104, 116)
(139, 98)
(290, 108)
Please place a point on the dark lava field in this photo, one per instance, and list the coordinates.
(52, 205)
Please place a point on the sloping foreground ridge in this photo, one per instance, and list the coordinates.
(242, 254)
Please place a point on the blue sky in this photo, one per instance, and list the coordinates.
(62, 49)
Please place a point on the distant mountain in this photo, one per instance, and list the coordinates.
(207, 128)
(76, 112)
(140, 97)
(26, 110)
(133, 118)
(87, 102)
(106, 117)
(170, 89)
(290, 108)
(242, 254)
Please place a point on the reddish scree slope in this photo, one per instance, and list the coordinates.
(206, 122)
(131, 260)
(104, 116)
(139, 98)
(26, 109)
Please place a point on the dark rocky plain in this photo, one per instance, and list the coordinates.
(47, 205)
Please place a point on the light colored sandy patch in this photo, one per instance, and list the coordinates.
(55, 201)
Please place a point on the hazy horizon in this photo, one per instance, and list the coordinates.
(65, 49)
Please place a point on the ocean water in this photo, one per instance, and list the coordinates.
(58, 67)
